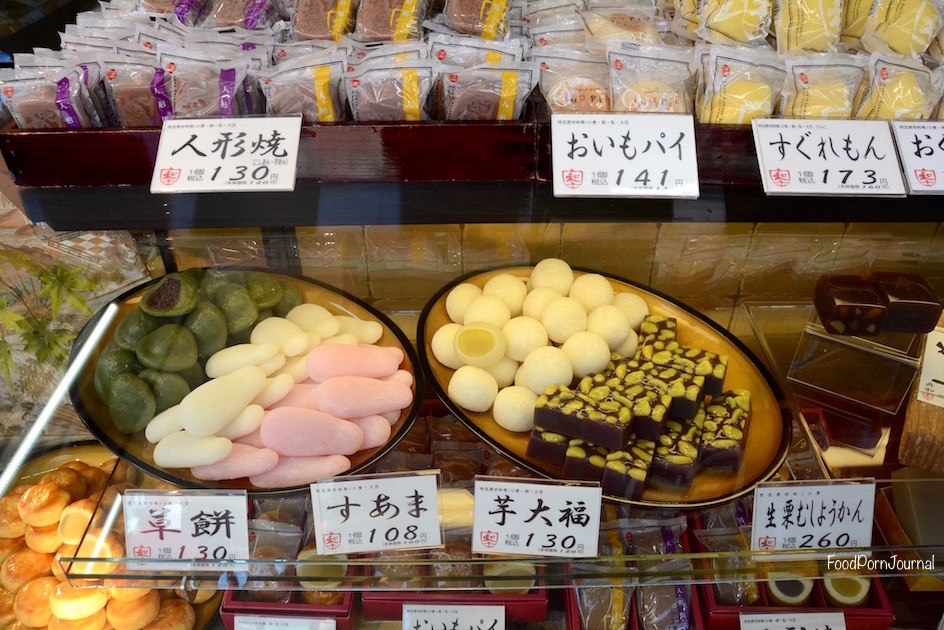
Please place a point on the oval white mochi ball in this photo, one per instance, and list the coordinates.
(511, 290)
(504, 371)
(472, 388)
(611, 323)
(588, 353)
(487, 308)
(514, 408)
(459, 298)
(522, 335)
(628, 348)
(553, 273)
(537, 300)
(634, 306)
(562, 318)
(545, 367)
(443, 346)
(592, 290)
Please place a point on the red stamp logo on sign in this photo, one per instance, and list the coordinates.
(925, 176)
(767, 543)
(332, 540)
(573, 178)
(169, 176)
(780, 177)
(142, 551)
(488, 538)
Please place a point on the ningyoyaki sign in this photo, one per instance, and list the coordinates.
(624, 155)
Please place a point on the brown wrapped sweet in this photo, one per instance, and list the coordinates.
(389, 20)
(484, 18)
(138, 94)
(322, 19)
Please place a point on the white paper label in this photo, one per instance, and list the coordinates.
(931, 383)
(254, 622)
(206, 526)
(227, 155)
(921, 147)
(820, 516)
(827, 157)
(427, 617)
(536, 519)
(376, 513)
(793, 621)
(624, 155)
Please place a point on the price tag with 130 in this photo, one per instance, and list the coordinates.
(535, 518)
(227, 155)
(624, 155)
(818, 516)
(377, 512)
(827, 157)
(428, 617)
(793, 621)
(208, 527)
(921, 146)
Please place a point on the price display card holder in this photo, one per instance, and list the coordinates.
(260, 622)
(536, 517)
(435, 617)
(827, 157)
(793, 621)
(624, 155)
(931, 383)
(256, 154)
(367, 513)
(921, 147)
(817, 518)
(207, 527)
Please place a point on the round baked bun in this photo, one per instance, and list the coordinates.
(578, 94)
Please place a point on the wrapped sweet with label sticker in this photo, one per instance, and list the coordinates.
(488, 92)
(484, 18)
(138, 94)
(821, 85)
(742, 83)
(322, 19)
(248, 14)
(903, 27)
(808, 25)
(389, 20)
(187, 12)
(734, 21)
(389, 90)
(308, 86)
(48, 102)
(201, 87)
(651, 78)
(899, 88)
(573, 80)
(639, 26)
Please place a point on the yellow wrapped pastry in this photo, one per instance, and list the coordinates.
(685, 19)
(734, 21)
(905, 27)
(810, 25)
(739, 102)
(743, 83)
(855, 13)
(900, 91)
(620, 24)
(821, 86)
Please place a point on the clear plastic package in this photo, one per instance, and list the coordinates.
(573, 80)
(492, 91)
(821, 85)
(651, 78)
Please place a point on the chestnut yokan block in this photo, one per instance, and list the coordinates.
(626, 471)
(727, 417)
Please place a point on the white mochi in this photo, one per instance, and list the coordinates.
(634, 306)
(511, 290)
(553, 273)
(592, 290)
(545, 367)
(472, 388)
(504, 371)
(522, 335)
(611, 323)
(628, 348)
(588, 353)
(514, 408)
(537, 300)
(443, 346)
(458, 300)
(562, 318)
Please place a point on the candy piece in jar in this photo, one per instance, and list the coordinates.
(367, 331)
(912, 304)
(472, 388)
(314, 318)
(553, 273)
(513, 408)
(849, 305)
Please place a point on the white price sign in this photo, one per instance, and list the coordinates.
(208, 527)
(227, 155)
(427, 617)
(827, 157)
(254, 622)
(931, 385)
(624, 155)
(376, 512)
(818, 516)
(535, 518)
(921, 147)
(793, 621)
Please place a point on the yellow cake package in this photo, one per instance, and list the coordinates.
(904, 27)
(821, 85)
(651, 78)
(807, 25)
(685, 19)
(734, 21)
(855, 13)
(900, 88)
(743, 83)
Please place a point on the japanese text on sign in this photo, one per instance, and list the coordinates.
(259, 622)
(376, 512)
(813, 516)
(624, 155)
(793, 621)
(537, 519)
(838, 157)
(453, 617)
(921, 147)
(931, 385)
(226, 155)
(210, 528)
